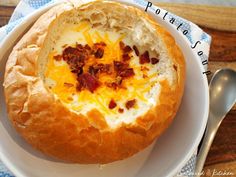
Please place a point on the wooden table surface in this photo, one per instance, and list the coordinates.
(222, 156)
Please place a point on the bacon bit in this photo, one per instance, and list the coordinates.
(74, 57)
(126, 57)
(104, 68)
(154, 61)
(99, 53)
(112, 85)
(127, 73)
(122, 69)
(144, 68)
(79, 86)
(68, 52)
(130, 104)
(145, 76)
(57, 57)
(122, 45)
(175, 67)
(127, 49)
(120, 110)
(103, 44)
(115, 84)
(144, 58)
(68, 84)
(93, 71)
(87, 81)
(136, 50)
(87, 47)
(98, 49)
(77, 71)
(120, 66)
(112, 104)
(79, 47)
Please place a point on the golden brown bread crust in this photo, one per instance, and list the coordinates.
(49, 126)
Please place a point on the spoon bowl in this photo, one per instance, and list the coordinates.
(222, 92)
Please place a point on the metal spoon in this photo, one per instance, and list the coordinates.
(222, 98)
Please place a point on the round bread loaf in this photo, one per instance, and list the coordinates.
(94, 83)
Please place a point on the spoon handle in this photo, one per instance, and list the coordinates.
(209, 136)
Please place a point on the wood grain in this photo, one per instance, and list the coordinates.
(223, 45)
(222, 155)
(224, 146)
(9, 2)
(214, 17)
(5, 14)
(227, 168)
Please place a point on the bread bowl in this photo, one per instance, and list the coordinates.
(66, 117)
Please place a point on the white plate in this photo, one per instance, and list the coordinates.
(169, 154)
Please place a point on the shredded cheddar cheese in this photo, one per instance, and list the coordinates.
(135, 87)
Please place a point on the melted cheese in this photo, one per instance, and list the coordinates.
(144, 90)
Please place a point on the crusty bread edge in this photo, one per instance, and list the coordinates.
(67, 130)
